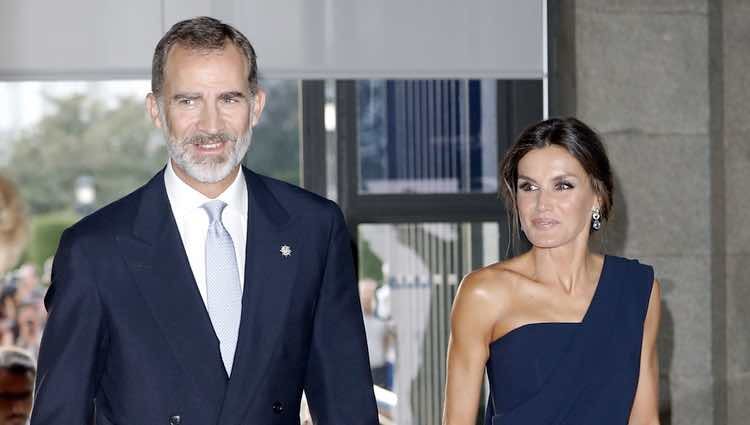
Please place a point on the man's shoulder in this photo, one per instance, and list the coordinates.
(295, 199)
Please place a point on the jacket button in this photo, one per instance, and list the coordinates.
(175, 420)
(277, 407)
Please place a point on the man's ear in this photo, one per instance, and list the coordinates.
(259, 102)
(152, 107)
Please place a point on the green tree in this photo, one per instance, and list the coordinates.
(120, 148)
(370, 265)
(117, 146)
(46, 230)
(275, 148)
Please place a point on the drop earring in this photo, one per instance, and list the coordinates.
(596, 216)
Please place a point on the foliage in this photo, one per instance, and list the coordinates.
(370, 265)
(275, 148)
(46, 230)
(118, 147)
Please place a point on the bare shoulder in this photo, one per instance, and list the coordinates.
(494, 280)
(487, 291)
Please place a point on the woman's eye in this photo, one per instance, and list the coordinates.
(526, 187)
(564, 186)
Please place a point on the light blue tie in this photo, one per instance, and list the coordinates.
(223, 291)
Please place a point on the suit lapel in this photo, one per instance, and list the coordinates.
(157, 258)
(269, 278)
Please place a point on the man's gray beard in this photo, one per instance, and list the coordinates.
(208, 169)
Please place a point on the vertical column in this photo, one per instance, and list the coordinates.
(736, 144)
(718, 212)
(642, 80)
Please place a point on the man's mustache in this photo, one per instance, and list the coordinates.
(209, 139)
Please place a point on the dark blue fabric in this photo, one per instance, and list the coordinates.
(129, 340)
(575, 373)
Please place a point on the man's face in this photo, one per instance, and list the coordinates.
(16, 391)
(206, 111)
(28, 276)
(28, 320)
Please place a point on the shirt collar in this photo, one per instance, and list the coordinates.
(184, 199)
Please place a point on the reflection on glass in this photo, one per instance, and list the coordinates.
(275, 148)
(57, 133)
(331, 151)
(54, 133)
(427, 136)
(409, 274)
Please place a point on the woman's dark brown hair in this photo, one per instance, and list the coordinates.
(583, 143)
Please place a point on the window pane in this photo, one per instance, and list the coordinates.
(427, 136)
(275, 148)
(94, 137)
(409, 274)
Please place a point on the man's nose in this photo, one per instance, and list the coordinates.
(211, 121)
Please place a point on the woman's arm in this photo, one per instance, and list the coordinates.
(472, 321)
(646, 404)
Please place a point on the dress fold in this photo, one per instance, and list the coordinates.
(589, 369)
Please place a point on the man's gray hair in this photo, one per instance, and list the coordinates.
(201, 34)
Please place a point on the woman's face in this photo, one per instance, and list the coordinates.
(555, 197)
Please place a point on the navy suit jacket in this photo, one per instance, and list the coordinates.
(129, 340)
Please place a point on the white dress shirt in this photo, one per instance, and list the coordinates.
(192, 221)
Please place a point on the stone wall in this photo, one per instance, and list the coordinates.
(735, 144)
(666, 83)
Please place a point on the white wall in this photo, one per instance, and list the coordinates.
(293, 38)
(77, 38)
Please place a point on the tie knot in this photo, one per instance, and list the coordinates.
(214, 209)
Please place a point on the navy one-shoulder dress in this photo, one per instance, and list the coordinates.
(575, 373)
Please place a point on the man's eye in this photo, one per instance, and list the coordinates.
(186, 102)
(231, 98)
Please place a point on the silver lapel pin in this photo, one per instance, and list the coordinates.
(286, 251)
